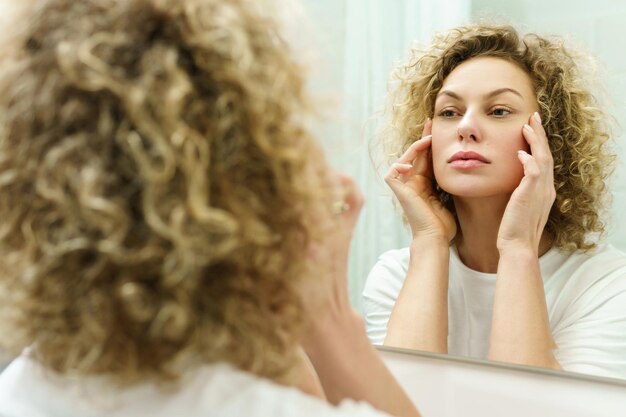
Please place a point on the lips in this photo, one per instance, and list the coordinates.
(467, 159)
(468, 155)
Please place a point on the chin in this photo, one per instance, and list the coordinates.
(478, 189)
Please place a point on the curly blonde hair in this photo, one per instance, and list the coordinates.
(577, 128)
(158, 184)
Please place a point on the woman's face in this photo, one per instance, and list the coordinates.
(479, 115)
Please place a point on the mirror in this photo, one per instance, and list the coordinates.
(511, 391)
(360, 42)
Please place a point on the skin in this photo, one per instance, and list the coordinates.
(486, 105)
(345, 364)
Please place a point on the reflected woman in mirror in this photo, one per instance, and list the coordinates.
(172, 240)
(501, 168)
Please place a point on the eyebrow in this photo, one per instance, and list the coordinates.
(488, 95)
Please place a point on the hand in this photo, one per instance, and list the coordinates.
(329, 258)
(335, 340)
(527, 212)
(411, 179)
(324, 290)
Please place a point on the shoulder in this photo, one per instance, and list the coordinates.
(605, 262)
(24, 389)
(393, 261)
(217, 389)
(388, 273)
(593, 264)
(603, 251)
(590, 279)
(252, 396)
(395, 257)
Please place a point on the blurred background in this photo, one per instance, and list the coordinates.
(359, 42)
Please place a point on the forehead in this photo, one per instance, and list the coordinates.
(485, 74)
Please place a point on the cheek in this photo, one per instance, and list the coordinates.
(514, 169)
(438, 130)
(505, 143)
(514, 140)
(439, 142)
(438, 154)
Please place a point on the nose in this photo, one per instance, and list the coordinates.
(468, 128)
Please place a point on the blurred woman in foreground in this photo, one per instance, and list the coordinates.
(169, 229)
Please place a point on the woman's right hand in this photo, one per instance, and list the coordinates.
(411, 180)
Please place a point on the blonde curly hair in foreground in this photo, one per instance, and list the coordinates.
(577, 128)
(158, 183)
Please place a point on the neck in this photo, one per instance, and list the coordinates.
(479, 221)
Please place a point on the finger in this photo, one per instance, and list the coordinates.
(532, 175)
(416, 147)
(535, 135)
(410, 154)
(535, 122)
(349, 199)
(348, 189)
(396, 170)
(531, 168)
(538, 146)
(428, 128)
(423, 164)
(396, 181)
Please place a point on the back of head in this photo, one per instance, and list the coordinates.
(576, 126)
(157, 182)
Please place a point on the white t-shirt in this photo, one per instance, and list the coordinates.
(27, 390)
(585, 294)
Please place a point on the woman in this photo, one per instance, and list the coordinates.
(503, 192)
(168, 225)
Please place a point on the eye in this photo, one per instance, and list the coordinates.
(447, 113)
(500, 111)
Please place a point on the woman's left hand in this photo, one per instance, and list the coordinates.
(528, 209)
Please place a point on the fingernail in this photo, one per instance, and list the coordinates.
(537, 117)
(527, 127)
